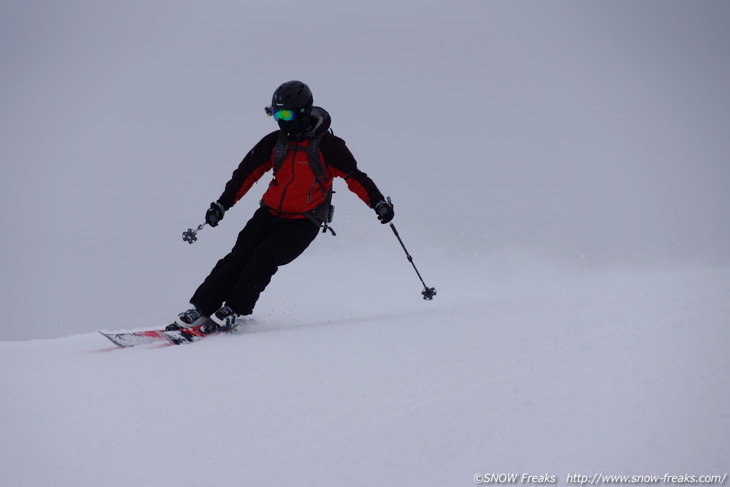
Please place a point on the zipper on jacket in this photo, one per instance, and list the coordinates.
(283, 192)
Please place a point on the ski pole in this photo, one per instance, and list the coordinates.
(428, 292)
(190, 235)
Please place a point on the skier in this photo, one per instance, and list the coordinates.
(304, 156)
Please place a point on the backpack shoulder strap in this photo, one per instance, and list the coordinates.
(280, 150)
(321, 216)
(315, 162)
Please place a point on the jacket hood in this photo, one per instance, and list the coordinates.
(321, 122)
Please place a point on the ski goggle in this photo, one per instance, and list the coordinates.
(283, 114)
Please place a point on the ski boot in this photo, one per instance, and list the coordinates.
(225, 319)
(185, 320)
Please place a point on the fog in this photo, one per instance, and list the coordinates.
(589, 134)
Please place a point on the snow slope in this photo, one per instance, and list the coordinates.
(510, 369)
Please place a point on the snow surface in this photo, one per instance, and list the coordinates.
(548, 372)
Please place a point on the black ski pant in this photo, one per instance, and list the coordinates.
(264, 244)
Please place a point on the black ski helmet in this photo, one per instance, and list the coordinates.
(293, 95)
(297, 97)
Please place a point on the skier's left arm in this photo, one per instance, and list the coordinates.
(342, 163)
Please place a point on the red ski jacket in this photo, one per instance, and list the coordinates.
(294, 189)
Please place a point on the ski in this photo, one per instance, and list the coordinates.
(134, 338)
(173, 337)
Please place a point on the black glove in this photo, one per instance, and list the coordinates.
(214, 214)
(385, 211)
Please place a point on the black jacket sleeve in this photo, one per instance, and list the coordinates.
(341, 163)
(254, 165)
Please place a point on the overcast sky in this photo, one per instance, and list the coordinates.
(569, 129)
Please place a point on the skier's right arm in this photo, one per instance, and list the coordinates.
(252, 167)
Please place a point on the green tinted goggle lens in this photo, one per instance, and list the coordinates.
(285, 115)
